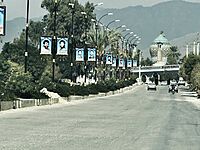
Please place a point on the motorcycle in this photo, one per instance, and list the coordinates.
(173, 89)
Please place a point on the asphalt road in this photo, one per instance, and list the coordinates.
(136, 120)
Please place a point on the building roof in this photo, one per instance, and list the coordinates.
(161, 39)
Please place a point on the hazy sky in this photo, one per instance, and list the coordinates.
(17, 8)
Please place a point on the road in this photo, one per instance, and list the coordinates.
(136, 120)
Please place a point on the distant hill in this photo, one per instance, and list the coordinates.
(188, 39)
(176, 18)
(14, 28)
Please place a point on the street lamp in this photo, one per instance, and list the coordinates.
(99, 4)
(125, 30)
(71, 48)
(96, 28)
(54, 41)
(140, 60)
(85, 46)
(124, 39)
(128, 40)
(117, 20)
(122, 26)
(27, 21)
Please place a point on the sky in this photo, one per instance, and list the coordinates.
(17, 8)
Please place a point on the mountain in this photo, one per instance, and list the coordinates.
(176, 18)
(188, 39)
(13, 29)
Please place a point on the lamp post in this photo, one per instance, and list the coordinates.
(140, 59)
(99, 4)
(128, 40)
(85, 46)
(122, 26)
(117, 20)
(125, 37)
(72, 40)
(54, 41)
(96, 28)
(27, 21)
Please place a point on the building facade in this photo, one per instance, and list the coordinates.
(159, 50)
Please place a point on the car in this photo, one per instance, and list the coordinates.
(181, 81)
(173, 82)
(163, 83)
(151, 86)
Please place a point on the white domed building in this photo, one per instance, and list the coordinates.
(159, 49)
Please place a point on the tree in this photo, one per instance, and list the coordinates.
(15, 53)
(36, 30)
(173, 55)
(195, 76)
(64, 17)
(146, 62)
(188, 66)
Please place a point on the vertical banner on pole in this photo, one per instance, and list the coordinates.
(121, 62)
(109, 59)
(129, 63)
(114, 62)
(134, 63)
(79, 54)
(45, 45)
(92, 54)
(2, 20)
(62, 46)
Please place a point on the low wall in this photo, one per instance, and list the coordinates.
(6, 105)
(22, 103)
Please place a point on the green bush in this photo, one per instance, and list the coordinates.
(93, 89)
(63, 89)
(101, 87)
(80, 90)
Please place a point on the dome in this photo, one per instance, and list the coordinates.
(161, 44)
(161, 39)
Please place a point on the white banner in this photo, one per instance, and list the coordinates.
(129, 63)
(45, 45)
(121, 62)
(79, 54)
(62, 46)
(91, 54)
(114, 62)
(2, 19)
(109, 59)
(134, 63)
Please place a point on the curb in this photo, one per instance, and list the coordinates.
(119, 91)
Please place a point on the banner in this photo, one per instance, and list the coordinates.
(62, 46)
(134, 63)
(45, 45)
(91, 54)
(109, 59)
(114, 62)
(121, 62)
(2, 20)
(129, 63)
(79, 54)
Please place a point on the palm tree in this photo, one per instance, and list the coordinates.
(173, 55)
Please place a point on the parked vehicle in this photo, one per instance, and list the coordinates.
(151, 86)
(181, 81)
